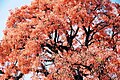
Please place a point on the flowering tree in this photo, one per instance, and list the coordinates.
(62, 40)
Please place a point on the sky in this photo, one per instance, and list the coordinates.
(6, 5)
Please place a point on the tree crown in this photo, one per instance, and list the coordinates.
(62, 40)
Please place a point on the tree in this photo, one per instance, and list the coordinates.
(62, 40)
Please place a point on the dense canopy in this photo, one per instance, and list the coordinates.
(62, 40)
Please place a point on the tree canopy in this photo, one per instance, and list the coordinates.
(62, 40)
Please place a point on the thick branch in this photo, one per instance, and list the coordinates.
(1, 72)
(78, 75)
(87, 35)
(44, 70)
(71, 37)
(87, 67)
(55, 38)
(20, 76)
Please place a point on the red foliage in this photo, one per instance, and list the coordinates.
(62, 40)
